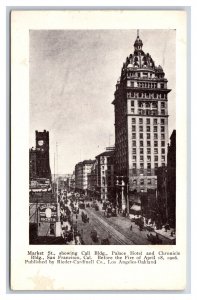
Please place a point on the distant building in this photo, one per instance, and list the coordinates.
(69, 180)
(141, 124)
(72, 182)
(105, 175)
(82, 169)
(92, 180)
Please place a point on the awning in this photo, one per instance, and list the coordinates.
(135, 207)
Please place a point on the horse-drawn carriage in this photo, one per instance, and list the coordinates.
(96, 207)
(110, 212)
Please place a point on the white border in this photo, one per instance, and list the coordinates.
(4, 93)
(105, 277)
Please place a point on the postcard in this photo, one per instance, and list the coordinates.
(98, 150)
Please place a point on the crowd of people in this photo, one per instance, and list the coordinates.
(69, 210)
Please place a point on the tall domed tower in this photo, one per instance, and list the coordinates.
(141, 124)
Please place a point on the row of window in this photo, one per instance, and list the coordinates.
(141, 74)
(145, 104)
(149, 165)
(155, 121)
(155, 136)
(141, 128)
(134, 157)
(148, 104)
(148, 143)
(142, 181)
(147, 112)
(146, 95)
(150, 85)
(148, 150)
(141, 136)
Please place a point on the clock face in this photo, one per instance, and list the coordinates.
(40, 143)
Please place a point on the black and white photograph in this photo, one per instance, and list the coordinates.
(102, 137)
(99, 146)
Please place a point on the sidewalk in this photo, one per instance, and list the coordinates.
(167, 235)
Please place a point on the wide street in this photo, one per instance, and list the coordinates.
(115, 229)
(85, 221)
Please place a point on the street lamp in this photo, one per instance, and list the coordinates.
(122, 183)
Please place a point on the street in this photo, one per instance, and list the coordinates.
(115, 229)
(85, 221)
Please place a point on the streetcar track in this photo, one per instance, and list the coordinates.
(103, 227)
(138, 239)
(111, 230)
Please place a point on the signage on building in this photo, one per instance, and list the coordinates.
(48, 213)
(40, 185)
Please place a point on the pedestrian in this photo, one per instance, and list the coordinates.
(131, 227)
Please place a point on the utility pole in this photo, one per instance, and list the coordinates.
(127, 195)
(58, 223)
(54, 175)
(165, 192)
(57, 169)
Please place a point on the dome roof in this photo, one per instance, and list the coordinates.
(141, 60)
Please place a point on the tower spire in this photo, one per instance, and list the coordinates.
(138, 43)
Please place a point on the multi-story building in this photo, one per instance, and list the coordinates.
(141, 122)
(72, 182)
(39, 165)
(166, 186)
(92, 180)
(82, 169)
(171, 180)
(105, 175)
(69, 182)
(42, 148)
(32, 164)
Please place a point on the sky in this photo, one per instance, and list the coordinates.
(73, 74)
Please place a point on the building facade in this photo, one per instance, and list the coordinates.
(39, 164)
(171, 180)
(92, 180)
(82, 169)
(105, 176)
(42, 148)
(32, 164)
(70, 182)
(141, 122)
